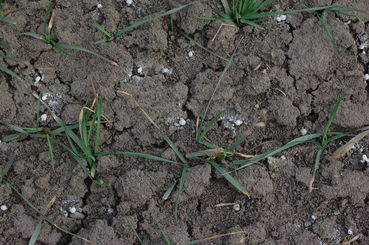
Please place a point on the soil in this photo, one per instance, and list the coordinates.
(285, 75)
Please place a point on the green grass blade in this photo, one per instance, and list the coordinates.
(331, 118)
(316, 167)
(261, 5)
(252, 23)
(102, 29)
(134, 230)
(98, 112)
(317, 160)
(204, 153)
(165, 237)
(9, 58)
(49, 9)
(74, 155)
(226, 7)
(67, 46)
(7, 20)
(180, 190)
(330, 35)
(164, 136)
(145, 156)
(61, 49)
(297, 141)
(203, 116)
(11, 137)
(239, 141)
(30, 34)
(8, 165)
(209, 145)
(35, 234)
(199, 45)
(204, 129)
(169, 191)
(10, 72)
(51, 151)
(172, 11)
(4, 44)
(14, 127)
(226, 175)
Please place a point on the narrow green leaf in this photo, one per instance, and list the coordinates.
(37, 230)
(51, 151)
(203, 116)
(209, 145)
(49, 9)
(331, 118)
(11, 137)
(297, 141)
(204, 129)
(226, 175)
(172, 11)
(102, 29)
(4, 44)
(169, 191)
(7, 20)
(14, 127)
(30, 34)
(10, 72)
(67, 46)
(146, 156)
(134, 230)
(180, 190)
(317, 160)
(98, 112)
(165, 237)
(8, 165)
(164, 136)
(226, 7)
(239, 141)
(35, 234)
(199, 45)
(9, 58)
(61, 49)
(326, 29)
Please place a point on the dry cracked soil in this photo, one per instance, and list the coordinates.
(285, 75)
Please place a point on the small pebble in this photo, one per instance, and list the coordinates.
(366, 77)
(72, 210)
(182, 122)
(237, 207)
(303, 131)
(283, 157)
(44, 97)
(110, 210)
(281, 18)
(38, 79)
(190, 54)
(3, 208)
(349, 231)
(129, 2)
(362, 46)
(167, 71)
(313, 217)
(99, 6)
(139, 70)
(43, 117)
(238, 122)
(365, 159)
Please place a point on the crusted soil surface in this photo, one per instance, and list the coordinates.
(285, 75)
